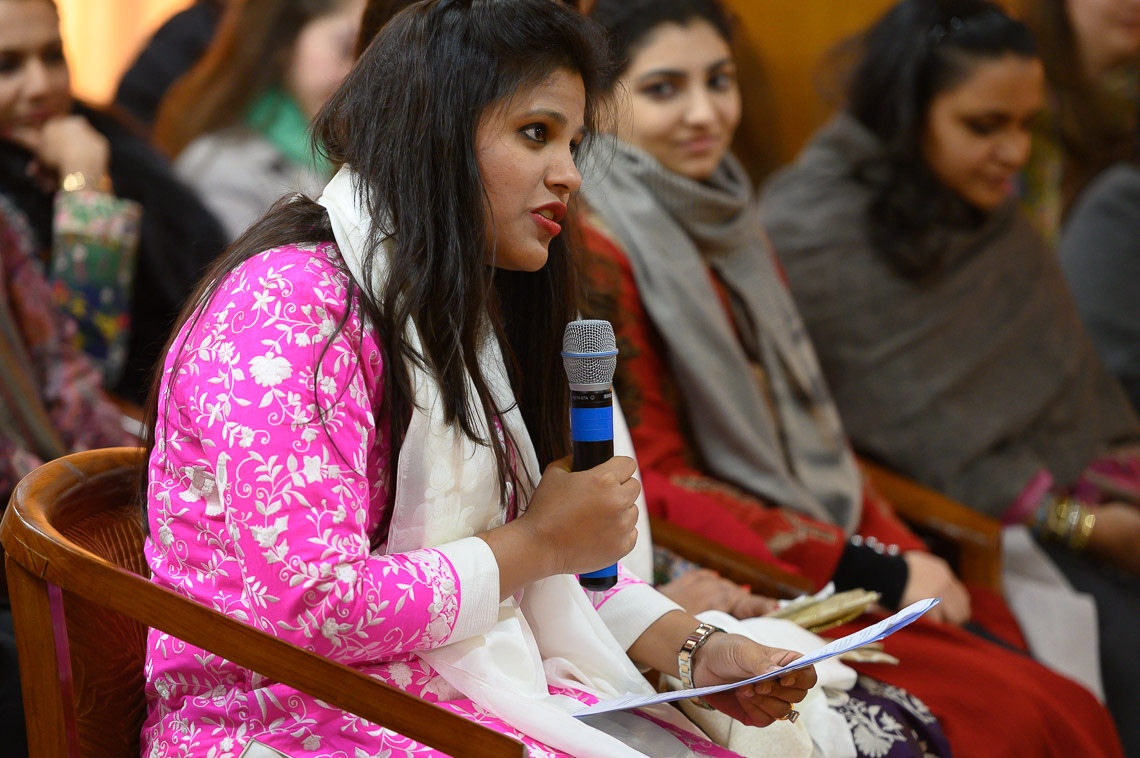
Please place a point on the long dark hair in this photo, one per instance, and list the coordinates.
(249, 55)
(918, 50)
(629, 22)
(405, 119)
(377, 13)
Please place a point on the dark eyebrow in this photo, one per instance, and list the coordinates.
(556, 116)
(669, 73)
(661, 72)
(990, 115)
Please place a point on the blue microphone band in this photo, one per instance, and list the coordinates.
(592, 424)
(601, 574)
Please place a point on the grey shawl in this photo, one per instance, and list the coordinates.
(970, 382)
(673, 229)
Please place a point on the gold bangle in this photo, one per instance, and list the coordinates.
(1079, 540)
(695, 642)
(77, 180)
(1062, 519)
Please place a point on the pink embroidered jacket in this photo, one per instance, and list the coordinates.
(262, 500)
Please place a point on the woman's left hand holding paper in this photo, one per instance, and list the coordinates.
(730, 658)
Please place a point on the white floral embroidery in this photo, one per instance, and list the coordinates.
(270, 370)
(245, 435)
(268, 536)
(296, 466)
(313, 468)
(345, 572)
(226, 353)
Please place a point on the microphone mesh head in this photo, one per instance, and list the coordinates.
(589, 352)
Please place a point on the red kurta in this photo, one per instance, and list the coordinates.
(957, 674)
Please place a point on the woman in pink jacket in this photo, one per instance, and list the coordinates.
(351, 426)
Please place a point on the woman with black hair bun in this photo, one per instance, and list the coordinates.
(942, 319)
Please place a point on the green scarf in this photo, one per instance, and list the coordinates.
(277, 117)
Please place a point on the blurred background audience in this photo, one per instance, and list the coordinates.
(125, 250)
(237, 123)
(1100, 255)
(1091, 53)
(173, 49)
(736, 432)
(941, 318)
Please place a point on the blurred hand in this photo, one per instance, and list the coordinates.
(930, 576)
(584, 520)
(64, 145)
(705, 590)
(1115, 538)
(730, 658)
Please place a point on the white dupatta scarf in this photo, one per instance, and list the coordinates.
(547, 635)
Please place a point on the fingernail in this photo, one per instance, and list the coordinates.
(746, 587)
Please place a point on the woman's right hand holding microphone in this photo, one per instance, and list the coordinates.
(577, 521)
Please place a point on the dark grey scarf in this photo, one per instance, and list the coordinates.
(970, 381)
(673, 229)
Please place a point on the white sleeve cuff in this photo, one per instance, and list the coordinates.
(632, 610)
(477, 575)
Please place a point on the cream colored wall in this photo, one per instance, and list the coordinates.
(102, 37)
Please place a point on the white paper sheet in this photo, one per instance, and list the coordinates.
(872, 633)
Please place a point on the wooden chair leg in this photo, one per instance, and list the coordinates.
(39, 674)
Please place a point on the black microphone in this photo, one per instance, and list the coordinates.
(589, 354)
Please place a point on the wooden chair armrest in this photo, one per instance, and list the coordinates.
(37, 552)
(976, 538)
(738, 567)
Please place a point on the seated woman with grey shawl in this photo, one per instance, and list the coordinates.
(735, 430)
(942, 320)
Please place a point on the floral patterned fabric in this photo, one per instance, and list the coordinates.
(93, 256)
(889, 722)
(51, 396)
(265, 492)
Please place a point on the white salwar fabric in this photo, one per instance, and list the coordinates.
(820, 730)
(447, 490)
(1058, 622)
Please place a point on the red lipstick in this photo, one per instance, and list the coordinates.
(548, 217)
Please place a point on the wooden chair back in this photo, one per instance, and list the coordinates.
(82, 601)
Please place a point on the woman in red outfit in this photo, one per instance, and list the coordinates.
(734, 427)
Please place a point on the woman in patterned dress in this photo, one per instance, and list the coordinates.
(344, 452)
